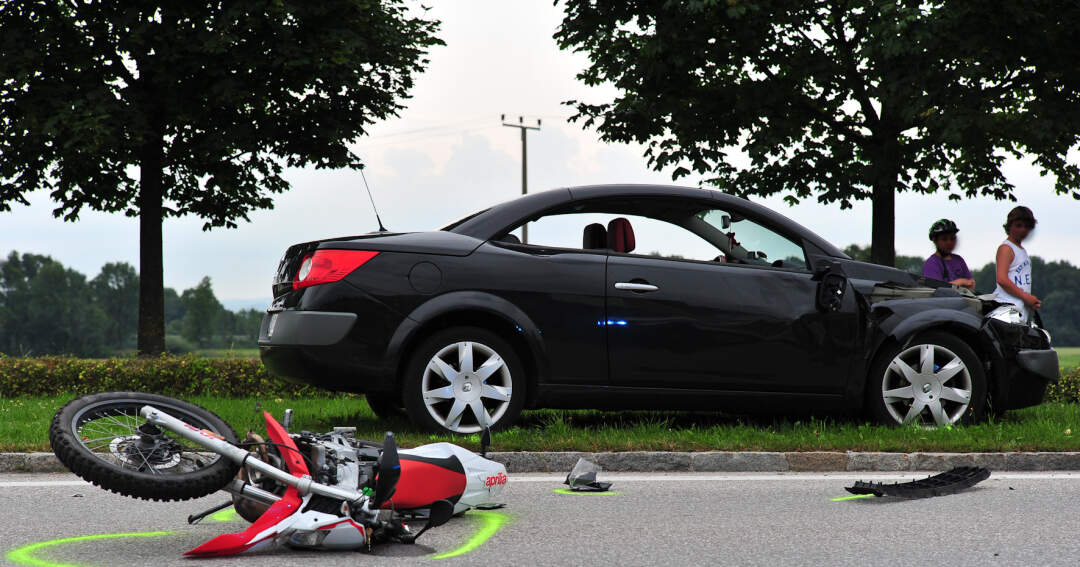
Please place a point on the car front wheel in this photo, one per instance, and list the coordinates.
(934, 380)
(463, 379)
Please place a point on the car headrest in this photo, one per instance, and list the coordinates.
(594, 237)
(511, 238)
(620, 235)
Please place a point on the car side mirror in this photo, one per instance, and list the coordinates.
(830, 292)
(725, 222)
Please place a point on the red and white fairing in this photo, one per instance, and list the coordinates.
(445, 471)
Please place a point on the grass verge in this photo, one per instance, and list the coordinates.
(1068, 357)
(228, 352)
(24, 426)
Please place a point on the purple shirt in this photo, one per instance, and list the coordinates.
(946, 270)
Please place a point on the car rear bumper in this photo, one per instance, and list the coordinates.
(320, 348)
(304, 328)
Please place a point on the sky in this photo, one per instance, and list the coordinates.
(447, 155)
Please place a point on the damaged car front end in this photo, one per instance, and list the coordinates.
(921, 335)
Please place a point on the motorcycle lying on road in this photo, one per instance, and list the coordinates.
(303, 490)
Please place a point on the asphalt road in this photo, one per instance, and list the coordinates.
(673, 519)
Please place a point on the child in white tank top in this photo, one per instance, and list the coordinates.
(1014, 265)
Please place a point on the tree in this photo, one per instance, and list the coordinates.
(911, 264)
(116, 290)
(174, 308)
(44, 309)
(207, 100)
(201, 313)
(842, 99)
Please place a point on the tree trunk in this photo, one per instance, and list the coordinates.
(883, 231)
(886, 170)
(151, 278)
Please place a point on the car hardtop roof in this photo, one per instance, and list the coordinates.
(487, 223)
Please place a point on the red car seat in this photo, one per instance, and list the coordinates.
(620, 235)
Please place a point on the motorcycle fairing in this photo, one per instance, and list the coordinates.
(277, 518)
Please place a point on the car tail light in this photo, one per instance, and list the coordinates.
(325, 266)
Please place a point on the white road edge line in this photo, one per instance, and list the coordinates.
(682, 477)
(758, 477)
(42, 483)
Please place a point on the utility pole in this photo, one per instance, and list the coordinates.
(524, 163)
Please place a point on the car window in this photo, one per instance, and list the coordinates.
(752, 243)
(653, 237)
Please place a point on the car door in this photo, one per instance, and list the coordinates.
(674, 323)
(559, 284)
(562, 292)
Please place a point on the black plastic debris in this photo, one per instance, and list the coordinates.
(582, 477)
(948, 482)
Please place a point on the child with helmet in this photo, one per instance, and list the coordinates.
(943, 265)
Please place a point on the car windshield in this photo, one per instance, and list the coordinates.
(747, 241)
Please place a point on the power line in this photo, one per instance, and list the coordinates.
(524, 162)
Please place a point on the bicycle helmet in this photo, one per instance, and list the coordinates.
(942, 226)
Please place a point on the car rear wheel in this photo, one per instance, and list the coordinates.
(934, 380)
(463, 379)
(385, 406)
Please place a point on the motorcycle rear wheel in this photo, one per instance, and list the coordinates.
(103, 439)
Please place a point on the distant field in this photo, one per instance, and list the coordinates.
(235, 353)
(1068, 357)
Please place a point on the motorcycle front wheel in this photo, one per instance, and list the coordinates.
(103, 439)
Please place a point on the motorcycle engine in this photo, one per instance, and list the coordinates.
(336, 458)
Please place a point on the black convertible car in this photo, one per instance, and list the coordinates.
(639, 297)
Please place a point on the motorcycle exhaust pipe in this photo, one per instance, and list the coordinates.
(251, 492)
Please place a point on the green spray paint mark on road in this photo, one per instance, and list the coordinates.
(852, 497)
(226, 515)
(25, 555)
(490, 523)
(582, 492)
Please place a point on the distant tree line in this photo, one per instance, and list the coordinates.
(1057, 284)
(46, 308)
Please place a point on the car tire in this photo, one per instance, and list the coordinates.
(495, 381)
(385, 406)
(951, 390)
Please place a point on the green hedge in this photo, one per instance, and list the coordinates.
(186, 375)
(190, 375)
(1067, 389)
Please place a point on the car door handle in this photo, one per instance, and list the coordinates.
(634, 286)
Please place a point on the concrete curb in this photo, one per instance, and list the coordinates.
(711, 461)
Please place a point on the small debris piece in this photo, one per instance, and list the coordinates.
(948, 482)
(582, 477)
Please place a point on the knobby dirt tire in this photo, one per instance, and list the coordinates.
(63, 436)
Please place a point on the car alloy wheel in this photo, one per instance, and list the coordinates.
(466, 386)
(927, 384)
